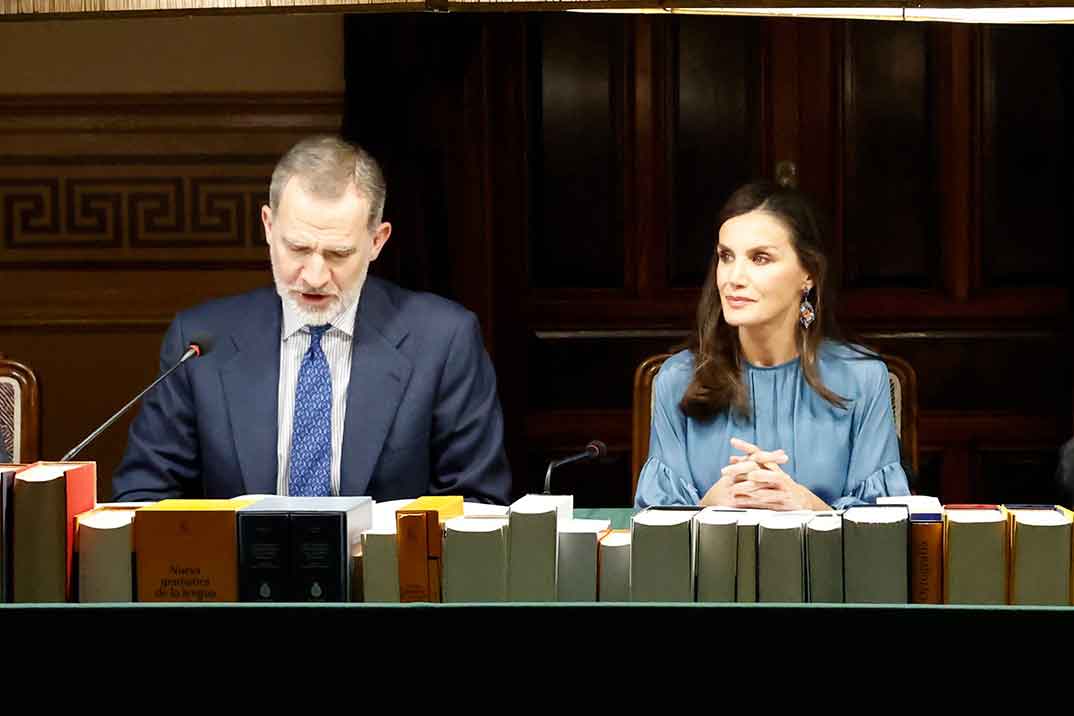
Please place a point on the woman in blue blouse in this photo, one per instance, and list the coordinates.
(768, 408)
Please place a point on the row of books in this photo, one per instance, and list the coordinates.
(902, 550)
(59, 545)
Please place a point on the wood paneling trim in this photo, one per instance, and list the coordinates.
(562, 428)
(921, 309)
(114, 298)
(916, 305)
(87, 325)
(289, 112)
(646, 125)
(988, 430)
(780, 83)
(953, 48)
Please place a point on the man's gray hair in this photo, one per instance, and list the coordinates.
(327, 165)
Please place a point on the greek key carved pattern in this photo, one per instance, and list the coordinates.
(127, 214)
(30, 208)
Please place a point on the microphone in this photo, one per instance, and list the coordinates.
(200, 346)
(594, 449)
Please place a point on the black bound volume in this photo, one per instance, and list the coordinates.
(298, 549)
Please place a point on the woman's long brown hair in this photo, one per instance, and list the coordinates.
(717, 384)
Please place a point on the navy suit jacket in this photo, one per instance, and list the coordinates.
(423, 416)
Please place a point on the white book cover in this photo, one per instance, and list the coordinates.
(824, 558)
(975, 556)
(105, 550)
(917, 504)
(576, 566)
(614, 567)
(746, 561)
(1040, 557)
(661, 556)
(380, 565)
(876, 548)
(533, 538)
(781, 558)
(475, 559)
(716, 550)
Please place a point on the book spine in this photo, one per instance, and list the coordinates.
(80, 485)
(926, 562)
(319, 557)
(39, 541)
(413, 556)
(435, 542)
(7, 521)
(264, 557)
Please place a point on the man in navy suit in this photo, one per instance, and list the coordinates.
(333, 383)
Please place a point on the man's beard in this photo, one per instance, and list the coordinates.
(333, 308)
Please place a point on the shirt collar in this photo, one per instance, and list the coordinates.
(293, 323)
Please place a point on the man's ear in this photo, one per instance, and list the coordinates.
(266, 221)
(380, 238)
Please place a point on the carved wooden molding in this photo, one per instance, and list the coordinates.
(117, 180)
(284, 112)
(87, 211)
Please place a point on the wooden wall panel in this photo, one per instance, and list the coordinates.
(578, 113)
(714, 141)
(1026, 152)
(889, 227)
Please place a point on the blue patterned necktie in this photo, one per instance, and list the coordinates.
(311, 434)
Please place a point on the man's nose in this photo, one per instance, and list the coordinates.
(314, 270)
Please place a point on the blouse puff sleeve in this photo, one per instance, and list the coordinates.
(874, 468)
(665, 477)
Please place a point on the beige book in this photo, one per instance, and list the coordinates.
(716, 550)
(380, 565)
(576, 565)
(1040, 557)
(613, 564)
(824, 558)
(661, 556)
(534, 542)
(876, 544)
(475, 559)
(746, 562)
(976, 556)
(106, 554)
(781, 558)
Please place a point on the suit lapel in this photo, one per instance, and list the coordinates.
(379, 377)
(251, 380)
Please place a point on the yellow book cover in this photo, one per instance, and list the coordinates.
(186, 550)
(446, 506)
(420, 528)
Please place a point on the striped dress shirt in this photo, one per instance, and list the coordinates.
(294, 342)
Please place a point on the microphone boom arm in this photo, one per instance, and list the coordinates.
(190, 353)
(592, 450)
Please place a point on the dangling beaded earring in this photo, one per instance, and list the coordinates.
(806, 314)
